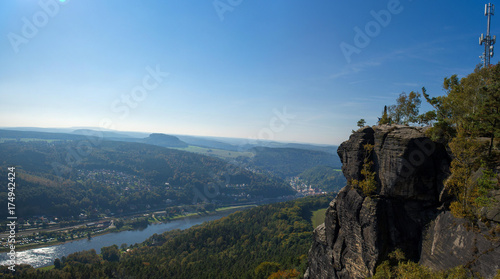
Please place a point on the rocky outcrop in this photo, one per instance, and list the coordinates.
(449, 242)
(405, 212)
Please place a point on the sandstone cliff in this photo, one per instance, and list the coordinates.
(406, 212)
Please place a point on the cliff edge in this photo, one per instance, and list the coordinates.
(406, 211)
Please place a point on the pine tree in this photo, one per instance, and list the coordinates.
(461, 183)
(385, 117)
(361, 123)
(488, 112)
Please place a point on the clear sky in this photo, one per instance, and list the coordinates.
(236, 68)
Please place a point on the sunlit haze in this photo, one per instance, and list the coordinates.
(295, 71)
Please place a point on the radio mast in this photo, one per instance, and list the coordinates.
(489, 10)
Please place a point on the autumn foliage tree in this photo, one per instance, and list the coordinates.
(368, 184)
(471, 103)
(285, 274)
(407, 108)
(461, 182)
(487, 114)
(469, 111)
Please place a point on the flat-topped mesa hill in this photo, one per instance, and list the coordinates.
(165, 140)
(406, 211)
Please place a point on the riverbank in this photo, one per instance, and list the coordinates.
(151, 220)
(42, 257)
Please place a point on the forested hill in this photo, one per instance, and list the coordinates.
(13, 135)
(269, 241)
(65, 178)
(279, 159)
(289, 162)
(325, 178)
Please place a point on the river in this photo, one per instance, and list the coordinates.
(45, 256)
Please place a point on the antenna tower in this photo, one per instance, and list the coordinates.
(489, 10)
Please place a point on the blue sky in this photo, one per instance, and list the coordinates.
(236, 68)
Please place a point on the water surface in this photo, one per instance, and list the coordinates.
(45, 256)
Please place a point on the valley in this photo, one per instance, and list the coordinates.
(65, 193)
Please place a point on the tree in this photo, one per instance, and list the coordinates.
(124, 246)
(427, 118)
(361, 123)
(471, 104)
(385, 117)
(111, 253)
(368, 185)
(461, 100)
(397, 266)
(57, 263)
(461, 182)
(488, 110)
(285, 274)
(265, 269)
(442, 129)
(118, 223)
(485, 184)
(470, 109)
(406, 109)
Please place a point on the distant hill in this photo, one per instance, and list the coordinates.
(67, 177)
(164, 140)
(37, 129)
(80, 134)
(281, 162)
(332, 149)
(105, 134)
(208, 143)
(289, 162)
(230, 144)
(15, 134)
(325, 178)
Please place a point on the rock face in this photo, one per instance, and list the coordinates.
(405, 213)
(450, 242)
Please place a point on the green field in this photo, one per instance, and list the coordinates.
(223, 154)
(318, 217)
(46, 267)
(234, 207)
